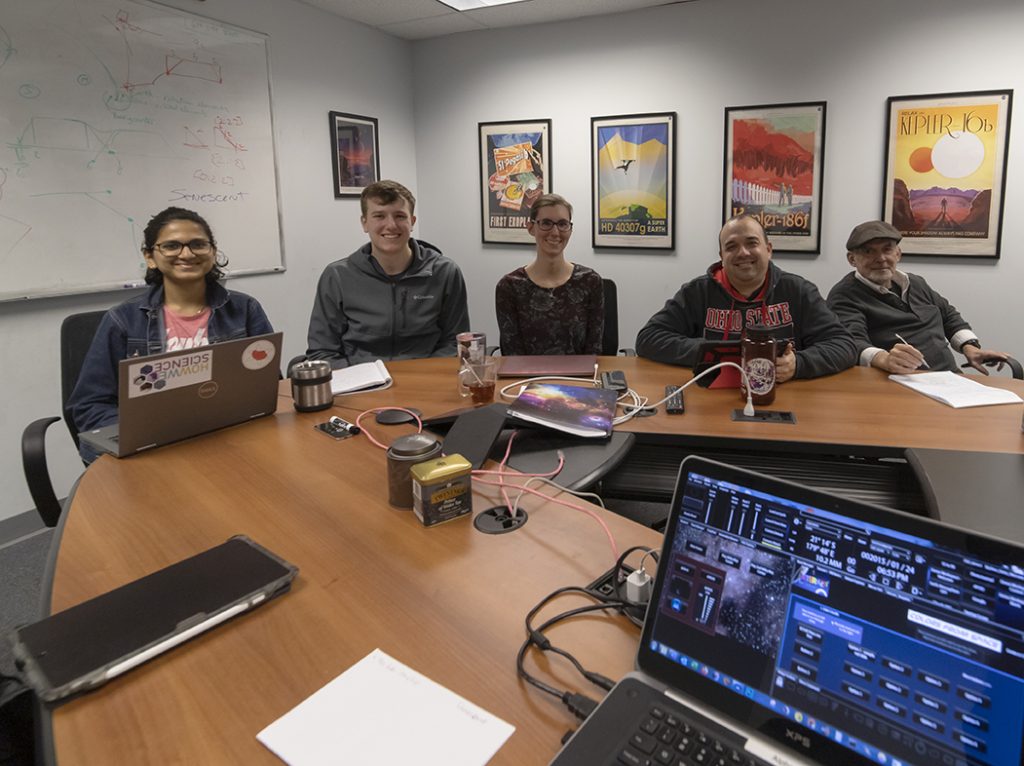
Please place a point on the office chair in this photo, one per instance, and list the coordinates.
(76, 334)
(610, 339)
(1016, 370)
(1012, 366)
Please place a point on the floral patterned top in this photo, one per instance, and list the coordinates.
(568, 319)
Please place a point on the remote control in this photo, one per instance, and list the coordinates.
(674, 404)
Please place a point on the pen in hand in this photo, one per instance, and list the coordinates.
(903, 340)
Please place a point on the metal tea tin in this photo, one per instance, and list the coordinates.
(442, 489)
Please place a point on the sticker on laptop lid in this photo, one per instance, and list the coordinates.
(258, 355)
(152, 377)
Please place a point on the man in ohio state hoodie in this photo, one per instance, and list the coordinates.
(746, 288)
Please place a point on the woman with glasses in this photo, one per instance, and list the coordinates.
(184, 307)
(551, 306)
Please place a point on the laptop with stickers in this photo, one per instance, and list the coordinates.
(789, 626)
(168, 397)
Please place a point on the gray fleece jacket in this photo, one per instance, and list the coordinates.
(361, 314)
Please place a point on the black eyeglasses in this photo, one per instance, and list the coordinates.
(546, 224)
(172, 247)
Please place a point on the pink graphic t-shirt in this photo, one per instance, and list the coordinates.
(186, 332)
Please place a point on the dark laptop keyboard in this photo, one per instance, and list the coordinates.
(665, 738)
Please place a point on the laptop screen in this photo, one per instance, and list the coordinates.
(895, 637)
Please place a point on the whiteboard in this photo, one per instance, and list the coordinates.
(113, 111)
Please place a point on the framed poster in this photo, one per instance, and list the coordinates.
(355, 153)
(773, 169)
(945, 171)
(633, 181)
(515, 169)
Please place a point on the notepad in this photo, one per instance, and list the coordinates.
(380, 706)
(955, 390)
(359, 378)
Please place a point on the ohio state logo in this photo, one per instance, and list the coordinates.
(761, 375)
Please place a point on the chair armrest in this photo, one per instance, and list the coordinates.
(37, 475)
(1015, 368)
(627, 351)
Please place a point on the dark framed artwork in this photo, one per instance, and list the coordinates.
(515, 169)
(633, 181)
(945, 171)
(355, 152)
(774, 163)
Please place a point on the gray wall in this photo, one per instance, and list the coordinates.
(694, 59)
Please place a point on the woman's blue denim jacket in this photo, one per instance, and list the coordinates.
(136, 328)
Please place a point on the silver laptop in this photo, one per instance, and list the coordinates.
(168, 397)
(788, 626)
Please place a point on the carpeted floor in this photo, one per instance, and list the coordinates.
(21, 574)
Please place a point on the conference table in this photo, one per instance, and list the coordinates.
(447, 601)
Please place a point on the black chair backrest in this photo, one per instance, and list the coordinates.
(610, 339)
(76, 334)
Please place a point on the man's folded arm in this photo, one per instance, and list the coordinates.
(826, 346)
(671, 336)
(327, 323)
(454, 313)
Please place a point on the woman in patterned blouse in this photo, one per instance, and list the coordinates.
(551, 306)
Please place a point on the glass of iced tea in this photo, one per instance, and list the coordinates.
(480, 378)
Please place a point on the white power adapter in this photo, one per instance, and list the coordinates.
(638, 586)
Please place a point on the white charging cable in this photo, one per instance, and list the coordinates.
(638, 402)
(748, 408)
(504, 391)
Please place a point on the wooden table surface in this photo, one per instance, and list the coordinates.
(448, 601)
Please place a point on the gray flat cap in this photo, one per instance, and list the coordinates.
(869, 230)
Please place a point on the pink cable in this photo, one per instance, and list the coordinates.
(502, 474)
(375, 410)
(501, 471)
(548, 475)
(501, 483)
(558, 501)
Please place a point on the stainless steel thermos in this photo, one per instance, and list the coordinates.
(311, 386)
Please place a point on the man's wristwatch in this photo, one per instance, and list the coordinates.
(972, 342)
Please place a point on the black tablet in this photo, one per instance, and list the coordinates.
(87, 645)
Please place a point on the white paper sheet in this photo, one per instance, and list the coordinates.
(955, 390)
(368, 376)
(382, 712)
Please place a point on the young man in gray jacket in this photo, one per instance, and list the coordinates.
(393, 298)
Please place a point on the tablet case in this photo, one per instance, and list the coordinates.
(87, 645)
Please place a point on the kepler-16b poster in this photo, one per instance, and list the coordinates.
(633, 181)
(945, 172)
(773, 171)
(515, 167)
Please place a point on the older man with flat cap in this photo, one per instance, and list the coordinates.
(899, 322)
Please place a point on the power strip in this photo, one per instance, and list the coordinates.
(606, 586)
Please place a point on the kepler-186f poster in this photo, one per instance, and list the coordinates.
(773, 171)
(633, 181)
(515, 167)
(945, 171)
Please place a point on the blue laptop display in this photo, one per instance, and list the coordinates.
(818, 629)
